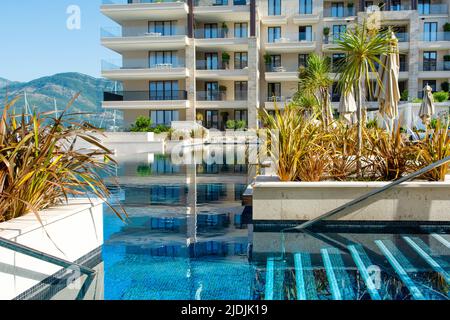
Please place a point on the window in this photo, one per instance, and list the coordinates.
(337, 30)
(303, 60)
(241, 30)
(240, 90)
(305, 6)
(274, 33)
(275, 62)
(161, 57)
(430, 31)
(240, 115)
(212, 119)
(164, 117)
(164, 28)
(164, 90)
(396, 5)
(368, 4)
(274, 7)
(403, 63)
(212, 91)
(211, 61)
(240, 60)
(337, 9)
(305, 33)
(335, 93)
(429, 60)
(211, 31)
(424, 6)
(274, 91)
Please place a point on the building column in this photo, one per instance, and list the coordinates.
(190, 65)
(413, 58)
(253, 83)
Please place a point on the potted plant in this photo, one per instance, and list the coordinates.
(199, 118)
(230, 125)
(224, 30)
(326, 33)
(447, 62)
(223, 92)
(226, 60)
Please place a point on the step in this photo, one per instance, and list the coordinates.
(304, 277)
(363, 263)
(338, 278)
(274, 279)
(441, 239)
(425, 252)
(399, 262)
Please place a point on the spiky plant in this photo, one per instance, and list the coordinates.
(41, 165)
(363, 48)
(315, 81)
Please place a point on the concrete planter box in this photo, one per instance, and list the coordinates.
(300, 201)
(77, 229)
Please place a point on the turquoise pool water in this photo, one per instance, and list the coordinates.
(188, 237)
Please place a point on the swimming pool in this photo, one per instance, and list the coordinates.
(189, 237)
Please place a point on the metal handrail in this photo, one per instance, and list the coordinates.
(373, 193)
(20, 248)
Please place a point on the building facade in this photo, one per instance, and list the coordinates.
(219, 60)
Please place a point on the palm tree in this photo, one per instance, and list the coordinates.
(315, 81)
(363, 48)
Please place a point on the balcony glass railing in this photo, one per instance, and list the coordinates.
(219, 33)
(162, 95)
(138, 1)
(435, 36)
(294, 37)
(218, 3)
(435, 66)
(427, 9)
(175, 62)
(339, 13)
(118, 32)
(215, 95)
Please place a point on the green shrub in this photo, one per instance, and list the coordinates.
(447, 27)
(417, 100)
(160, 129)
(372, 124)
(231, 124)
(440, 96)
(404, 95)
(240, 125)
(142, 124)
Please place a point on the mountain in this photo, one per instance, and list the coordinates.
(62, 87)
(5, 82)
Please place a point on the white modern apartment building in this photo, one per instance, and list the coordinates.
(219, 60)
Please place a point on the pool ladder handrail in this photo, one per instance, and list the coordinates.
(373, 193)
(20, 248)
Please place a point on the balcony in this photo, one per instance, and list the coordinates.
(274, 102)
(305, 16)
(125, 10)
(277, 17)
(432, 9)
(221, 100)
(222, 10)
(220, 39)
(142, 69)
(435, 40)
(279, 73)
(434, 70)
(335, 14)
(148, 100)
(292, 42)
(135, 39)
(205, 70)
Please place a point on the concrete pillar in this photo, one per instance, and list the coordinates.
(413, 67)
(253, 83)
(190, 81)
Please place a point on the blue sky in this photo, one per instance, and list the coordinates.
(36, 42)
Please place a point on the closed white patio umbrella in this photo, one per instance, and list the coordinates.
(427, 109)
(389, 93)
(347, 107)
